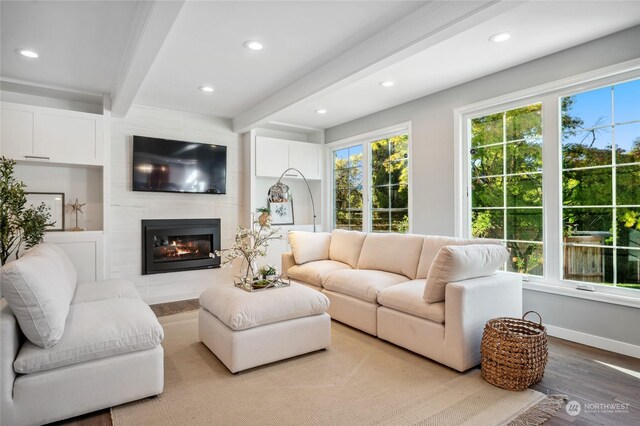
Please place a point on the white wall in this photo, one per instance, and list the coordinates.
(433, 161)
(128, 208)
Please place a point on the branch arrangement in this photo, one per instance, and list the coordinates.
(249, 245)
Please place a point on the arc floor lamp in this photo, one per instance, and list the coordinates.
(280, 193)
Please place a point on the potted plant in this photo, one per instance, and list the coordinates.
(20, 226)
(249, 245)
(268, 272)
(264, 215)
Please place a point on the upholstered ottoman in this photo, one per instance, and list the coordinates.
(245, 330)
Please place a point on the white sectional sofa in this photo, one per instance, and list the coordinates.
(67, 349)
(429, 294)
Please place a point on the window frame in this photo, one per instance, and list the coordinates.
(365, 141)
(549, 95)
(467, 143)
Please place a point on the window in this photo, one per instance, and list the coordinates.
(506, 183)
(569, 207)
(390, 184)
(347, 188)
(601, 185)
(371, 185)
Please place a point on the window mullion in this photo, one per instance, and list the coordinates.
(366, 188)
(551, 188)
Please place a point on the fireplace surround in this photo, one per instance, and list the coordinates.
(171, 245)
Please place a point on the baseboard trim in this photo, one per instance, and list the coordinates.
(595, 341)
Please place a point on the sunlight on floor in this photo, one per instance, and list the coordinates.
(624, 370)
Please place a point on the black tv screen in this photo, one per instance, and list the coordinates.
(164, 165)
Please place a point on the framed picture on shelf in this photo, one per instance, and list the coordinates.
(55, 202)
(281, 213)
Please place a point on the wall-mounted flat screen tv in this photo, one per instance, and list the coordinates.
(163, 165)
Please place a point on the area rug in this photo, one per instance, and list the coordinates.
(358, 380)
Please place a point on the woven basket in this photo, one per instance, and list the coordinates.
(514, 352)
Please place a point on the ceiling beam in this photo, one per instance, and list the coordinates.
(431, 24)
(156, 20)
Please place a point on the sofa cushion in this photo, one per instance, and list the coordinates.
(345, 246)
(95, 330)
(433, 243)
(240, 310)
(309, 246)
(407, 298)
(363, 284)
(314, 272)
(39, 287)
(397, 253)
(457, 263)
(101, 290)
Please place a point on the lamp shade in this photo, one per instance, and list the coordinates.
(279, 193)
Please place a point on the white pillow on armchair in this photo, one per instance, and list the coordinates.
(309, 246)
(39, 287)
(457, 263)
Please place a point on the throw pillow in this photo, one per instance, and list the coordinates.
(39, 287)
(346, 246)
(309, 246)
(457, 263)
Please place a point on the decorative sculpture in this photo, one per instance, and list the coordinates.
(77, 207)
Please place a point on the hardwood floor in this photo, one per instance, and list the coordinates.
(592, 376)
(585, 374)
(164, 309)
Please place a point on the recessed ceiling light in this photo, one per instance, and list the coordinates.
(28, 53)
(500, 37)
(388, 83)
(253, 45)
(207, 89)
(321, 111)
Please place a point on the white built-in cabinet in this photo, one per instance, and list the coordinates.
(62, 150)
(34, 133)
(273, 149)
(274, 156)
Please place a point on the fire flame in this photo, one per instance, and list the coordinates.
(181, 249)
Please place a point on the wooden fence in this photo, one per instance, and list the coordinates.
(584, 263)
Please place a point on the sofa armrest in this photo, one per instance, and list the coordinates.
(469, 304)
(11, 339)
(287, 262)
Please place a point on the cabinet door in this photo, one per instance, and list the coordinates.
(272, 157)
(306, 157)
(85, 251)
(17, 133)
(74, 139)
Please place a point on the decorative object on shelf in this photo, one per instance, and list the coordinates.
(282, 213)
(264, 215)
(514, 352)
(54, 201)
(77, 207)
(19, 224)
(249, 245)
(279, 193)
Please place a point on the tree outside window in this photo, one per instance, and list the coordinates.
(601, 185)
(506, 184)
(387, 174)
(390, 184)
(347, 188)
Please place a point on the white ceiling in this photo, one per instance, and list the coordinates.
(329, 54)
(205, 47)
(81, 44)
(537, 28)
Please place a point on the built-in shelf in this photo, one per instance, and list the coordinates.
(59, 144)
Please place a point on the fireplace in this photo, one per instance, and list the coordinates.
(170, 245)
